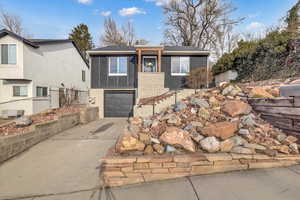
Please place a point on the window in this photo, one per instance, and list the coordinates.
(20, 91)
(180, 66)
(117, 66)
(83, 75)
(41, 91)
(9, 54)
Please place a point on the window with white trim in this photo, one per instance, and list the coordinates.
(8, 54)
(20, 91)
(180, 66)
(41, 91)
(118, 66)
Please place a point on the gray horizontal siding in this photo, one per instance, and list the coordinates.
(100, 78)
(177, 82)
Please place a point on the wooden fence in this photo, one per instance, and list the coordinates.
(283, 113)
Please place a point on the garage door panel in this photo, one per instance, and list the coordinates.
(119, 103)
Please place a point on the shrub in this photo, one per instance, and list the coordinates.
(198, 78)
(257, 60)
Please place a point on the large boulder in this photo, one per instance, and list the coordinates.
(146, 139)
(236, 108)
(227, 145)
(210, 144)
(200, 102)
(204, 113)
(178, 137)
(223, 130)
(259, 92)
(23, 121)
(129, 143)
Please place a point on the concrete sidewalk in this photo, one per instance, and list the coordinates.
(66, 167)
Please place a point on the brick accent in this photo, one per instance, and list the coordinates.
(142, 169)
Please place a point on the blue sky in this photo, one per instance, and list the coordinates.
(55, 18)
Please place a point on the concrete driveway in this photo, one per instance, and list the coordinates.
(66, 167)
(67, 163)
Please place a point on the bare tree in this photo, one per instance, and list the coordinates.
(128, 33)
(226, 40)
(112, 35)
(11, 22)
(125, 36)
(198, 23)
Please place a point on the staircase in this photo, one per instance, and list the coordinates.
(152, 105)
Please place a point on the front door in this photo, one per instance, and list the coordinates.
(149, 64)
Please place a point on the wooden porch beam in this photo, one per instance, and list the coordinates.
(139, 60)
(159, 61)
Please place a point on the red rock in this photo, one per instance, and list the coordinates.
(178, 137)
(159, 148)
(148, 150)
(275, 92)
(223, 130)
(135, 120)
(236, 108)
(259, 92)
(129, 143)
(282, 148)
(290, 140)
(226, 145)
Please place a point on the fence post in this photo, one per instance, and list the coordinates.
(50, 98)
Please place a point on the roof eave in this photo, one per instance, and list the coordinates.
(186, 53)
(91, 52)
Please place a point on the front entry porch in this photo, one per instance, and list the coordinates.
(149, 58)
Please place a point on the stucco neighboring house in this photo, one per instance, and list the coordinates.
(122, 76)
(34, 71)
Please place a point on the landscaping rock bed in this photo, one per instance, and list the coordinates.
(212, 131)
(25, 124)
(216, 120)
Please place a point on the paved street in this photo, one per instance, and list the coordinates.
(66, 167)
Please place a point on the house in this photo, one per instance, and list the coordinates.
(121, 76)
(36, 73)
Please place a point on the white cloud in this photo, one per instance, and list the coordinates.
(131, 11)
(105, 13)
(85, 1)
(160, 2)
(251, 16)
(255, 26)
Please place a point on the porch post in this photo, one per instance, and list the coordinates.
(159, 61)
(139, 60)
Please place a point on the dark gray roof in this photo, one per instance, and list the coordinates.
(115, 48)
(166, 48)
(47, 41)
(37, 42)
(5, 32)
(182, 48)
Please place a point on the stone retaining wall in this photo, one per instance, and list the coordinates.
(283, 113)
(119, 171)
(15, 144)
